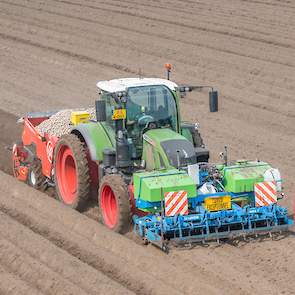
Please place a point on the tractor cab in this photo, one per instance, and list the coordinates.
(133, 106)
(151, 104)
(136, 105)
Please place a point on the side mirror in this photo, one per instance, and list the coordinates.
(213, 101)
(100, 108)
(213, 95)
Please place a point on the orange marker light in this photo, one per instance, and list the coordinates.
(168, 66)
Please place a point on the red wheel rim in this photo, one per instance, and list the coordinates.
(66, 175)
(109, 206)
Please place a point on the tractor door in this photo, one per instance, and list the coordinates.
(149, 107)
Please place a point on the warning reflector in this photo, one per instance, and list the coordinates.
(265, 193)
(176, 203)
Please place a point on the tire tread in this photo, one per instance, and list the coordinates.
(80, 155)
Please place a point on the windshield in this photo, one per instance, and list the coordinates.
(180, 152)
(151, 103)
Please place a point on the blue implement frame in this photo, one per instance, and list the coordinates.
(202, 225)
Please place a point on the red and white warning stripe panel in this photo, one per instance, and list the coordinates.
(176, 203)
(265, 193)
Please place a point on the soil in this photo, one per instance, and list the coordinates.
(10, 133)
(52, 53)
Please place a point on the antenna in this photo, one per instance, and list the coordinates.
(168, 67)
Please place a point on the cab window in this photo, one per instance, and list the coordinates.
(110, 106)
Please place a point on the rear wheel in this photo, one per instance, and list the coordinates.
(71, 172)
(114, 204)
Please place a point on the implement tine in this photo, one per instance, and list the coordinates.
(203, 240)
(243, 228)
(270, 234)
(256, 234)
(212, 226)
(218, 240)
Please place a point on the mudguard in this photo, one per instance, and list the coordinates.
(95, 137)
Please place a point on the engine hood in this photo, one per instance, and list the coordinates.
(174, 148)
(156, 136)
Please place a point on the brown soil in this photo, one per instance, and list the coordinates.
(52, 53)
(10, 133)
(143, 270)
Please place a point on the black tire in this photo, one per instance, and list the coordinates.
(36, 179)
(196, 136)
(198, 140)
(79, 157)
(119, 188)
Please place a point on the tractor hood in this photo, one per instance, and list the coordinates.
(174, 148)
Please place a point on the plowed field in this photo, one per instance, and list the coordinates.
(53, 52)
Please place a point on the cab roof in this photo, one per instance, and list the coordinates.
(117, 85)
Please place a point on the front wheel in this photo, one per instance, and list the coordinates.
(71, 175)
(114, 204)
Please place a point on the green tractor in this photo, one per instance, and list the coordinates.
(137, 129)
(151, 170)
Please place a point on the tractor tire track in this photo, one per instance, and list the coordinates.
(151, 53)
(58, 261)
(269, 4)
(203, 14)
(95, 246)
(72, 247)
(80, 57)
(35, 273)
(191, 42)
(180, 24)
(57, 28)
(269, 108)
(184, 62)
(12, 284)
(261, 89)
